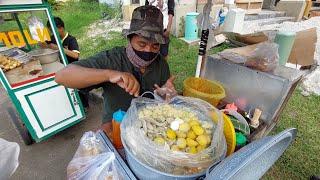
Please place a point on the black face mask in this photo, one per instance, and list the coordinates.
(147, 56)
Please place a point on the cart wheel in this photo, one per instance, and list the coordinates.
(20, 127)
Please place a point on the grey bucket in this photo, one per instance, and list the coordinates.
(144, 172)
(250, 162)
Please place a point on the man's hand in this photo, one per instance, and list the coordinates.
(166, 33)
(53, 46)
(43, 44)
(167, 91)
(126, 81)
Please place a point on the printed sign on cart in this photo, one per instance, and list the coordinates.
(15, 38)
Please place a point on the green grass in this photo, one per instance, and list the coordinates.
(23, 18)
(300, 161)
(77, 16)
(89, 46)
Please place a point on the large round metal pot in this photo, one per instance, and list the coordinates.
(45, 56)
(145, 172)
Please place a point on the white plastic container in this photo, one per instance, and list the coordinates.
(228, 1)
(234, 21)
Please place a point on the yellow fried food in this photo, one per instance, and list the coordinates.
(181, 143)
(191, 142)
(192, 150)
(193, 123)
(171, 134)
(191, 135)
(202, 140)
(200, 148)
(184, 127)
(198, 130)
(208, 138)
(181, 134)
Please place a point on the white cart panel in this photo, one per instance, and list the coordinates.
(49, 107)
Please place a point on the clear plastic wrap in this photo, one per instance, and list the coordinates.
(161, 157)
(9, 158)
(35, 24)
(233, 56)
(264, 58)
(91, 161)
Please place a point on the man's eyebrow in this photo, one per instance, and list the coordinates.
(141, 41)
(146, 40)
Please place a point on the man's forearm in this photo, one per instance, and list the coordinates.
(75, 76)
(170, 19)
(72, 54)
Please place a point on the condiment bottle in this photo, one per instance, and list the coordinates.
(116, 134)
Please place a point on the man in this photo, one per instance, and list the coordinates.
(71, 49)
(167, 9)
(69, 43)
(125, 72)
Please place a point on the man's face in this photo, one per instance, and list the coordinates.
(141, 44)
(61, 31)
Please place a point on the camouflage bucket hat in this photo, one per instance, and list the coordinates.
(147, 21)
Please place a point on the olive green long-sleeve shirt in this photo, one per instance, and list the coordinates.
(115, 97)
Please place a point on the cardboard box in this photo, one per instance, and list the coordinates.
(254, 38)
(314, 13)
(303, 49)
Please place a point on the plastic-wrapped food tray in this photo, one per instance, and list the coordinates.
(16, 53)
(122, 167)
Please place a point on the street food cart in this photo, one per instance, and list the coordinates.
(269, 91)
(27, 71)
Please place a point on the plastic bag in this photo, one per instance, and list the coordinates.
(9, 154)
(91, 161)
(264, 58)
(234, 57)
(35, 24)
(161, 157)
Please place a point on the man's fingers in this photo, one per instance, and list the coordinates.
(157, 86)
(136, 89)
(134, 86)
(121, 84)
(171, 79)
(170, 82)
(130, 86)
(125, 82)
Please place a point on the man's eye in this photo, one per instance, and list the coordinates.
(142, 44)
(156, 46)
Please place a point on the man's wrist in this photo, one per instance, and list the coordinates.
(109, 73)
